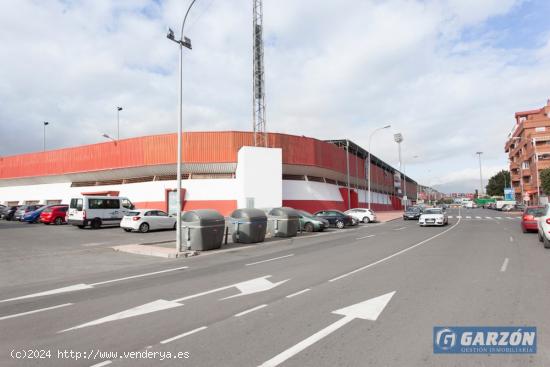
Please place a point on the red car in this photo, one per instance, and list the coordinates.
(55, 214)
(529, 218)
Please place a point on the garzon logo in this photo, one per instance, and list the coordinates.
(445, 339)
(485, 340)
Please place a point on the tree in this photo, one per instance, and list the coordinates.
(545, 180)
(497, 183)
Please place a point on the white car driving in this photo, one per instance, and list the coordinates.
(433, 217)
(145, 220)
(544, 227)
(362, 214)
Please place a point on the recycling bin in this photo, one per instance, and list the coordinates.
(284, 222)
(203, 229)
(249, 225)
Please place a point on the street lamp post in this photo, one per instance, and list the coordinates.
(46, 123)
(398, 138)
(182, 42)
(537, 169)
(118, 109)
(369, 160)
(480, 175)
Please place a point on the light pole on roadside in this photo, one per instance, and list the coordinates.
(398, 138)
(107, 136)
(480, 175)
(46, 123)
(369, 159)
(182, 42)
(118, 109)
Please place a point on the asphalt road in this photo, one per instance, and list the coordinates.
(274, 305)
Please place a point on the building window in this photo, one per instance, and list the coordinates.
(525, 165)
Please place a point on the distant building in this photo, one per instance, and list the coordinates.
(528, 148)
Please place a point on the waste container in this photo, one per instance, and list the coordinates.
(284, 222)
(203, 229)
(249, 225)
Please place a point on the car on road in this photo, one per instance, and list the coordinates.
(336, 218)
(363, 215)
(145, 220)
(529, 219)
(9, 212)
(24, 209)
(54, 214)
(312, 223)
(543, 227)
(433, 217)
(96, 211)
(33, 216)
(412, 213)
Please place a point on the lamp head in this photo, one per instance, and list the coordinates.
(170, 34)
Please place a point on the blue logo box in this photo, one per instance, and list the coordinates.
(484, 340)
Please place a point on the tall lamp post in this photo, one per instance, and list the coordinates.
(118, 109)
(46, 123)
(480, 175)
(369, 161)
(182, 42)
(398, 138)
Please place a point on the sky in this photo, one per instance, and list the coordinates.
(449, 74)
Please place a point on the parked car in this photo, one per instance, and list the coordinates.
(54, 214)
(98, 210)
(530, 217)
(24, 209)
(434, 217)
(9, 213)
(145, 220)
(363, 215)
(543, 227)
(33, 216)
(312, 223)
(412, 213)
(335, 218)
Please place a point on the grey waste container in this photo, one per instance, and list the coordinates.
(284, 222)
(249, 225)
(203, 229)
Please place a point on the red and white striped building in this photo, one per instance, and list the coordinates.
(222, 170)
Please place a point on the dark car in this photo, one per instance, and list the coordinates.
(412, 213)
(529, 218)
(335, 218)
(24, 209)
(9, 213)
(55, 214)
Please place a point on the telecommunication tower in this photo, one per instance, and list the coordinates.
(258, 101)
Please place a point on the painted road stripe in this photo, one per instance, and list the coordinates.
(489, 217)
(101, 364)
(504, 265)
(478, 217)
(459, 217)
(275, 258)
(398, 229)
(250, 310)
(298, 293)
(34, 311)
(511, 239)
(450, 217)
(139, 275)
(370, 235)
(393, 255)
(183, 335)
(468, 217)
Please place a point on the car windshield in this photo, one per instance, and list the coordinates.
(132, 214)
(536, 212)
(432, 211)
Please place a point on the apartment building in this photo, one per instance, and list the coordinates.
(528, 149)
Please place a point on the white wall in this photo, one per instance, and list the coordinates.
(259, 175)
(310, 190)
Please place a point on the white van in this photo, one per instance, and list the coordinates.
(96, 211)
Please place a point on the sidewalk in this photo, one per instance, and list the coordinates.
(389, 215)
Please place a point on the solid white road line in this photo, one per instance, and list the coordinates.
(250, 310)
(362, 238)
(101, 364)
(140, 275)
(298, 293)
(511, 239)
(264, 261)
(393, 255)
(504, 265)
(183, 335)
(398, 229)
(34, 311)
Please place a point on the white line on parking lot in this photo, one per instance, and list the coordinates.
(250, 310)
(393, 255)
(264, 261)
(398, 229)
(504, 265)
(298, 293)
(183, 335)
(34, 311)
(370, 235)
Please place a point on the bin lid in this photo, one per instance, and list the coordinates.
(284, 212)
(249, 213)
(203, 217)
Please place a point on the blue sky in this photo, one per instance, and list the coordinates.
(448, 74)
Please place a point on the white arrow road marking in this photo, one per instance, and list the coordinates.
(34, 311)
(82, 286)
(264, 261)
(367, 310)
(154, 306)
(247, 287)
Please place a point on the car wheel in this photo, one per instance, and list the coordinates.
(96, 223)
(81, 226)
(174, 227)
(366, 220)
(308, 227)
(540, 237)
(127, 230)
(144, 228)
(58, 221)
(340, 224)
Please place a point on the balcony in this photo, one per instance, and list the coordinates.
(526, 172)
